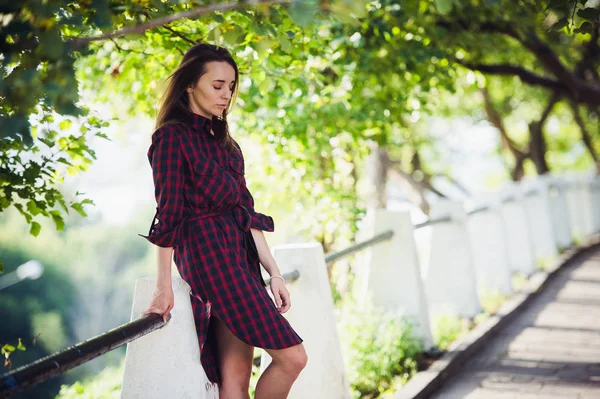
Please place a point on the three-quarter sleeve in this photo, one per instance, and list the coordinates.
(166, 159)
(258, 220)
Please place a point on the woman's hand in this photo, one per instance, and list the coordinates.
(162, 302)
(281, 295)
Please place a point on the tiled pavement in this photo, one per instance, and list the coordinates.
(551, 350)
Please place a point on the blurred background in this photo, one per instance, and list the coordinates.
(344, 106)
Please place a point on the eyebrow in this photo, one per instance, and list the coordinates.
(222, 81)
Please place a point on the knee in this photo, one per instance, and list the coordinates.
(297, 362)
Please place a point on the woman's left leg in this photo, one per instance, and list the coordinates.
(235, 362)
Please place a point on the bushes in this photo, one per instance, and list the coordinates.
(378, 347)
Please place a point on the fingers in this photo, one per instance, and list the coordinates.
(285, 295)
(277, 296)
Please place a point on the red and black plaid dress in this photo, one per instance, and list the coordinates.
(205, 212)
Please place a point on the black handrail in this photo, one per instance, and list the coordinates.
(508, 199)
(478, 210)
(53, 365)
(333, 256)
(431, 222)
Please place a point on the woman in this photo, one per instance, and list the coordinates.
(207, 221)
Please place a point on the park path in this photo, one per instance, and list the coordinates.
(551, 350)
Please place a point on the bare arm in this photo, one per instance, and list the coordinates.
(163, 299)
(163, 276)
(264, 253)
(278, 288)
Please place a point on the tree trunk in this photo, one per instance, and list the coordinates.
(537, 141)
(378, 164)
(585, 136)
(517, 171)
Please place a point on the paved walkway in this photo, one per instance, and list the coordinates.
(551, 350)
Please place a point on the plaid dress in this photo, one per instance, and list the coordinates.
(205, 212)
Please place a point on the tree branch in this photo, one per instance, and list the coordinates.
(592, 51)
(511, 70)
(585, 136)
(496, 119)
(195, 12)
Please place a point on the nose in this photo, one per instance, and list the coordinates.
(226, 94)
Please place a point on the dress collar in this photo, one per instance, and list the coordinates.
(201, 123)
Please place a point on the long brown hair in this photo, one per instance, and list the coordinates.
(174, 105)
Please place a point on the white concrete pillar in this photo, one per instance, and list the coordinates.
(575, 203)
(518, 233)
(586, 198)
(393, 279)
(450, 281)
(536, 201)
(166, 362)
(487, 239)
(312, 316)
(595, 194)
(559, 211)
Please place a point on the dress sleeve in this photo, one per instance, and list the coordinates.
(258, 220)
(166, 159)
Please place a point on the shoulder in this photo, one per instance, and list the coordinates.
(237, 146)
(169, 132)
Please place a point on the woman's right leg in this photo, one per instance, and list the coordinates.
(276, 381)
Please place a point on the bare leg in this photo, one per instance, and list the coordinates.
(235, 363)
(276, 381)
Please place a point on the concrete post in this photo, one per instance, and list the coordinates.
(559, 211)
(536, 201)
(166, 362)
(586, 192)
(312, 316)
(595, 194)
(487, 239)
(518, 233)
(576, 206)
(450, 281)
(393, 278)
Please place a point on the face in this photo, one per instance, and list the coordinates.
(212, 93)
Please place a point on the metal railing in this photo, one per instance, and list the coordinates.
(53, 365)
(333, 256)
(431, 222)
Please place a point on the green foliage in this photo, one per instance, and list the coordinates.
(29, 175)
(491, 301)
(519, 281)
(26, 307)
(104, 385)
(378, 347)
(447, 328)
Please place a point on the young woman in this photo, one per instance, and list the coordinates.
(207, 222)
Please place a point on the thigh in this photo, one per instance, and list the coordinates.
(235, 356)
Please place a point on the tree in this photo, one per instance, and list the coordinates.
(42, 43)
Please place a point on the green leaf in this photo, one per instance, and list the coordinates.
(35, 229)
(66, 124)
(58, 221)
(20, 345)
(561, 23)
(79, 208)
(586, 27)
(1, 267)
(443, 6)
(7, 349)
(591, 14)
